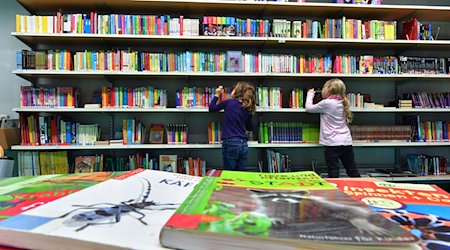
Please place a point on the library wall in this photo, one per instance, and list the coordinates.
(381, 90)
(9, 83)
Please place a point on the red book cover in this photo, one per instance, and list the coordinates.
(422, 209)
(130, 97)
(411, 29)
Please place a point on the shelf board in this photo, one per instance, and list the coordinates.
(100, 73)
(109, 110)
(400, 144)
(216, 146)
(34, 39)
(111, 147)
(260, 9)
(205, 110)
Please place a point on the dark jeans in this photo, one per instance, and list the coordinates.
(234, 153)
(344, 153)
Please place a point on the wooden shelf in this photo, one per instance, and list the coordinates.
(260, 9)
(100, 73)
(205, 110)
(33, 39)
(216, 146)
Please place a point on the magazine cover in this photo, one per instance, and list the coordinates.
(20, 194)
(280, 211)
(422, 209)
(126, 212)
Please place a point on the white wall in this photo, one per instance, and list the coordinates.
(9, 83)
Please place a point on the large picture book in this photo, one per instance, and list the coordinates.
(126, 212)
(20, 194)
(248, 210)
(422, 209)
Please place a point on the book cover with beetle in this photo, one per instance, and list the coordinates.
(126, 212)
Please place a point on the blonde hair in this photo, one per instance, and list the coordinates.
(245, 93)
(337, 87)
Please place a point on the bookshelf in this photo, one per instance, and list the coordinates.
(380, 84)
(216, 146)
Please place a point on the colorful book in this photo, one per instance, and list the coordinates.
(126, 212)
(168, 163)
(422, 209)
(248, 210)
(20, 194)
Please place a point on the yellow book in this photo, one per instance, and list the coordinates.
(18, 23)
(45, 24)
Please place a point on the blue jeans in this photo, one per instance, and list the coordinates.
(234, 153)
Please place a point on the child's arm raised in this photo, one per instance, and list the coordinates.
(314, 108)
(213, 106)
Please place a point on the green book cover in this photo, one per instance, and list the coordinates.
(277, 210)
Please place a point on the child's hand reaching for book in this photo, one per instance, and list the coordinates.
(219, 91)
(311, 90)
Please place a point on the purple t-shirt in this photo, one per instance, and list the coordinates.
(236, 118)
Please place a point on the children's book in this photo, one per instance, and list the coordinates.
(168, 163)
(249, 210)
(126, 212)
(234, 61)
(20, 194)
(422, 209)
(156, 133)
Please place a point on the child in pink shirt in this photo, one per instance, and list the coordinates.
(335, 135)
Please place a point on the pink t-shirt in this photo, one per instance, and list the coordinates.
(333, 127)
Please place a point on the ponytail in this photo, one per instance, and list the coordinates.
(348, 115)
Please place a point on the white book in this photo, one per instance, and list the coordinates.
(114, 214)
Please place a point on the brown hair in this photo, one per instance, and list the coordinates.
(245, 93)
(337, 87)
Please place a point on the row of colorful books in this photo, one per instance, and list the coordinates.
(200, 97)
(128, 97)
(343, 28)
(380, 133)
(288, 132)
(119, 24)
(427, 164)
(230, 61)
(44, 130)
(429, 100)
(49, 97)
(54, 130)
(32, 163)
(225, 209)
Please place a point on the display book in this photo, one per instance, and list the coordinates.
(423, 209)
(20, 194)
(296, 210)
(126, 212)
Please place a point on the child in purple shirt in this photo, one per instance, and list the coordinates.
(237, 118)
(335, 135)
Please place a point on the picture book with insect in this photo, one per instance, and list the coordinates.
(20, 194)
(422, 209)
(126, 212)
(250, 210)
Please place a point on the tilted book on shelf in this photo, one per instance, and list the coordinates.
(126, 212)
(296, 210)
(422, 209)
